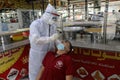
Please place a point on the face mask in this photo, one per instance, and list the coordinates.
(51, 22)
(60, 46)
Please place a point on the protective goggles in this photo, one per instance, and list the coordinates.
(54, 18)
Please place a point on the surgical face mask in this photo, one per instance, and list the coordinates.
(53, 20)
(60, 46)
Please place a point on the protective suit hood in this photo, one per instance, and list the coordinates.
(50, 12)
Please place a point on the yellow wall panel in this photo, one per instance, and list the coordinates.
(22, 4)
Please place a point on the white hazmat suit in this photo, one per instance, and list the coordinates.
(42, 37)
(111, 26)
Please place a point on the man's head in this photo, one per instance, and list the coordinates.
(65, 46)
(119, 10)
(113, 11)
(50, 16)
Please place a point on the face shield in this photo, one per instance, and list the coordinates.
(53, 19)
(51, 15)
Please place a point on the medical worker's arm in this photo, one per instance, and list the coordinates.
(40, 73)
(69, 77)
(35, 36)
(42, 40)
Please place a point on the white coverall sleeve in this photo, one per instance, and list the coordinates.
(35, 34)
(43, 40)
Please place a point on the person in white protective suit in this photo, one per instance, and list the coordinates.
(42, 37)
(111, 26)
(117, 14)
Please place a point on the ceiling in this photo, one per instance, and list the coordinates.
(75, 0)
(84, 0)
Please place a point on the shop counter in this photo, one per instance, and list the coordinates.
(14, 52)
(84, 23)
(110, 46)
(13, 32)
(70, 32)
(94, 61)
(95, 34)
(11, 39)
(14, 45)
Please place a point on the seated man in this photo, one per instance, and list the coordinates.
(59, 65)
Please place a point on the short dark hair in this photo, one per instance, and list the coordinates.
(119, 10)
(71, 47)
